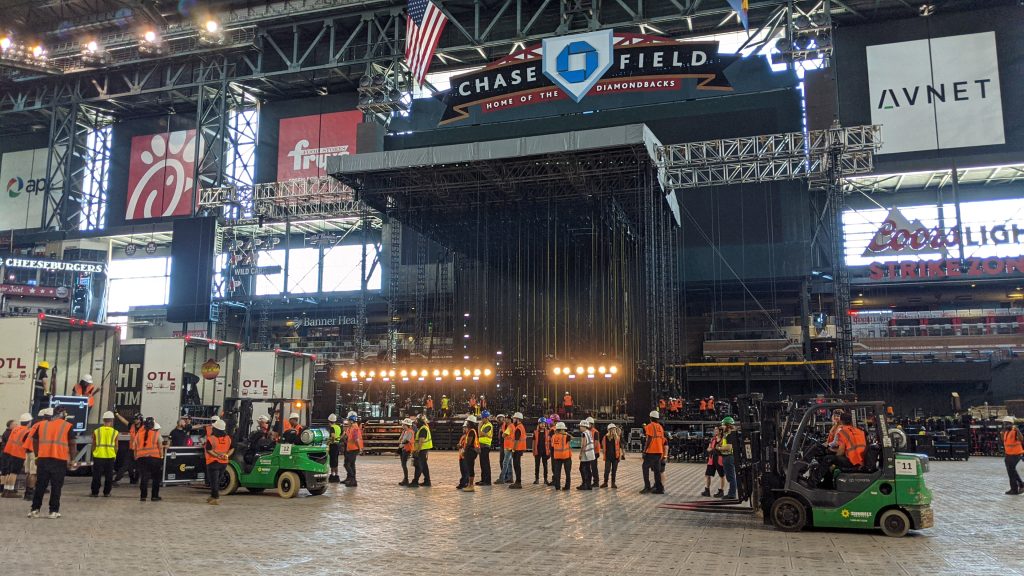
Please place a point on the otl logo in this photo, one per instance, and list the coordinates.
(575, 63)
(160, 175)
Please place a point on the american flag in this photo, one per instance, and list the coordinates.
(423, 30)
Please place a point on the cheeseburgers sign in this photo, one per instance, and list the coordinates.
(599, 70)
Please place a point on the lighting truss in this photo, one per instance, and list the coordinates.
(769, 158)
(322, 197)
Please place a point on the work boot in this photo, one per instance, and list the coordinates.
(54, 515)
(646, 490)
(10, 494)
(516, 486)
(564, 489)
(413, 485)
(614, 487)
(706, 493)
(351, 484)
(718, 494)
(425, 484)
(214, 502)
(469, 487)
(604, 484)
(403, 483)
(94, 495)
(499, 481)
(155, 499)
(658, 491)
(536, 481)
(29, 493)
(1012, 492)
(33, 513)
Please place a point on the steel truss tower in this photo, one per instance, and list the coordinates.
(822, 157)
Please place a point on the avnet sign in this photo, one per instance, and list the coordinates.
(937, 93)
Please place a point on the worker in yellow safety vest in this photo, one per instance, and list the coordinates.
(104, 455)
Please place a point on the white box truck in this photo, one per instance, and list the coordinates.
(277, 374)
(71, 347)
(187, 376)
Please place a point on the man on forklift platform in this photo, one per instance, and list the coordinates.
(260, 440)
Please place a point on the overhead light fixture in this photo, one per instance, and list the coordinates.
(150, 44)
(5, 43)
(926, 9)
(211, 34)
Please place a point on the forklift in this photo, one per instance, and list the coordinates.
(285, 466)
(783, 473)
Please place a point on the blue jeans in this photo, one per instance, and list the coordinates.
(506, 467)
(729, 463)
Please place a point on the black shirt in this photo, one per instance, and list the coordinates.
(179, 437)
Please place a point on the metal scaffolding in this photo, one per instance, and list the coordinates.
(823, 157)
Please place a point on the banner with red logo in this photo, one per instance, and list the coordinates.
(304, 143)
(160, 175)
(36, 291)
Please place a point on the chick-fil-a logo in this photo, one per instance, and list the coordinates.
(160, 175)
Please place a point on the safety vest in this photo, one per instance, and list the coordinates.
(355, 439)
(519, 444)
(430, 404)
(560, 448)
(444, 403)
(220, 444)
(405, 441)
(89, 390)
(15, 446)
(567, 400)
(506, 436)
(724, 448)
(473, 439)
(335, 434)
(426, 442)
(852, 439)
(618, 447)
(711, 452)
(661, 404)
(655, 438)
(134, 431)
(53, 439)
(597, 441)
(148, 444)
(486, 433)
(462, 443)
(703, 405)
(539, 442)
(1011, 442)
(104, 442)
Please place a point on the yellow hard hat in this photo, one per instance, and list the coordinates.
(44, 364)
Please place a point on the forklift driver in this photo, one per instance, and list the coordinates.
(292, 429)
(260, 440)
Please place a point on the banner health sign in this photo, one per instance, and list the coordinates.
(600, 70)
(915, 243)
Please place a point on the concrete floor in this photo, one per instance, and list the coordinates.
(381, 528)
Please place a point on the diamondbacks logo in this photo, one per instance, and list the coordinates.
(160, 175)
(575, 63)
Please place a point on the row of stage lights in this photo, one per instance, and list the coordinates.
(581, 371)
(417, 374)
(150, 43)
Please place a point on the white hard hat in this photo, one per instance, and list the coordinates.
(612, 426)
(26, 417)
(500, 416)
(332, 418)
(566, 391)
(108, 415)
(46, 412)
(351, 413)
(590, 419)
(156, 425)
(471, 418)
(263, 418)
(654, 414)
(293, 416)
(1009, 419)
(560, 426)
(215, 417)
(465, 423)
(218, 425)
(518, 415)
(584, 424)
(407, 422)
(87, 378)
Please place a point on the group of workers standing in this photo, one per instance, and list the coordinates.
(551, 444)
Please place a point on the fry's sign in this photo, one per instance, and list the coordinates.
(947, 268)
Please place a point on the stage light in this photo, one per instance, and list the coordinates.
(557, 370)
(413, 373)
(458, 373)
(613, 369)
(602, 369)
(579, 369)
(477, 372)
(362, 374)
(405, 373)
(487, 371)
(38, 52)
(590, 369)
(151, 44)
(344, 374)
(149, 36)
(444, 372)
(5, 43)
(373, 373)
(212, 26)
(391, 373)
(566, 370)
(211, 34)
(437, 372)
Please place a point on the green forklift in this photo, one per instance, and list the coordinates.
(286, 466)
(785, 474)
